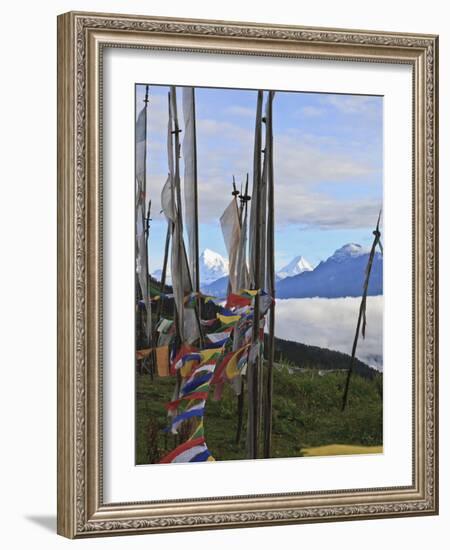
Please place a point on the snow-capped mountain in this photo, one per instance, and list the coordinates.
(350, 250)
(342, 274)
(296, 266)
(213, 266)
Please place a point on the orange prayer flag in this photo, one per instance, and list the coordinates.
(162, 360)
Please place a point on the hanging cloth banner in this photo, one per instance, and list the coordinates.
(181, 281)
(190, 180)
(242, 276)
(141, 221)
(141, 132)
(162, 360)
(255, 203)
(231, 231)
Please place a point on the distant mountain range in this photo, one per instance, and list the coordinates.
(342, 274)
(218, 286)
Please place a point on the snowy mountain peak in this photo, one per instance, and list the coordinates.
(213, 266)
(296, 266)
(350, 250)
(210, 256)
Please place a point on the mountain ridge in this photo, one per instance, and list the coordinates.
(339, 276)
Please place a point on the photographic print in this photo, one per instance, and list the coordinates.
(247, 274)
(259, 274)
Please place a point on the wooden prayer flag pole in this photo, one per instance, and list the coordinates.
(244, 197)
(362, 308)
(146, 230)
(267, 443)
(254, 370)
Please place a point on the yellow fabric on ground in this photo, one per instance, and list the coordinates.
(333, 450)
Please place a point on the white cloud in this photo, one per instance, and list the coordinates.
(220, 129)
(238, 110)
(310, 160)
(352, 104)
(311, 111)
(301, 162)
(296, 207)
(331, 323)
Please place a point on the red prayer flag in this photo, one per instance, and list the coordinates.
(234, 300)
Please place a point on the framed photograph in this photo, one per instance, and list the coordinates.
(247, 276)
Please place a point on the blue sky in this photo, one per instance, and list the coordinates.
(328, 162)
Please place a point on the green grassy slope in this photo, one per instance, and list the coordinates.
(306, 413)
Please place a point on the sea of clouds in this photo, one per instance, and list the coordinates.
(331, 323)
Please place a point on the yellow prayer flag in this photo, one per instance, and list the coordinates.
(248, 291)
(228, 319)
(187, 368)
(207, 354)
(231, 368)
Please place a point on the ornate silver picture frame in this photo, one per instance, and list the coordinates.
(82, 41)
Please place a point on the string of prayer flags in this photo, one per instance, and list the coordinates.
(196, 410)
(173, 405)
(177, 454)
(224, 360)
(196, 384)
(177, 360)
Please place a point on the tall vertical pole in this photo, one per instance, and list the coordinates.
(171, 156)
(254, 371)
(145, 229)
(196, 236)
(152, 337)
(362, 309)
(176, 133)
(146, 218)
(270, 280)
(244, 198)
